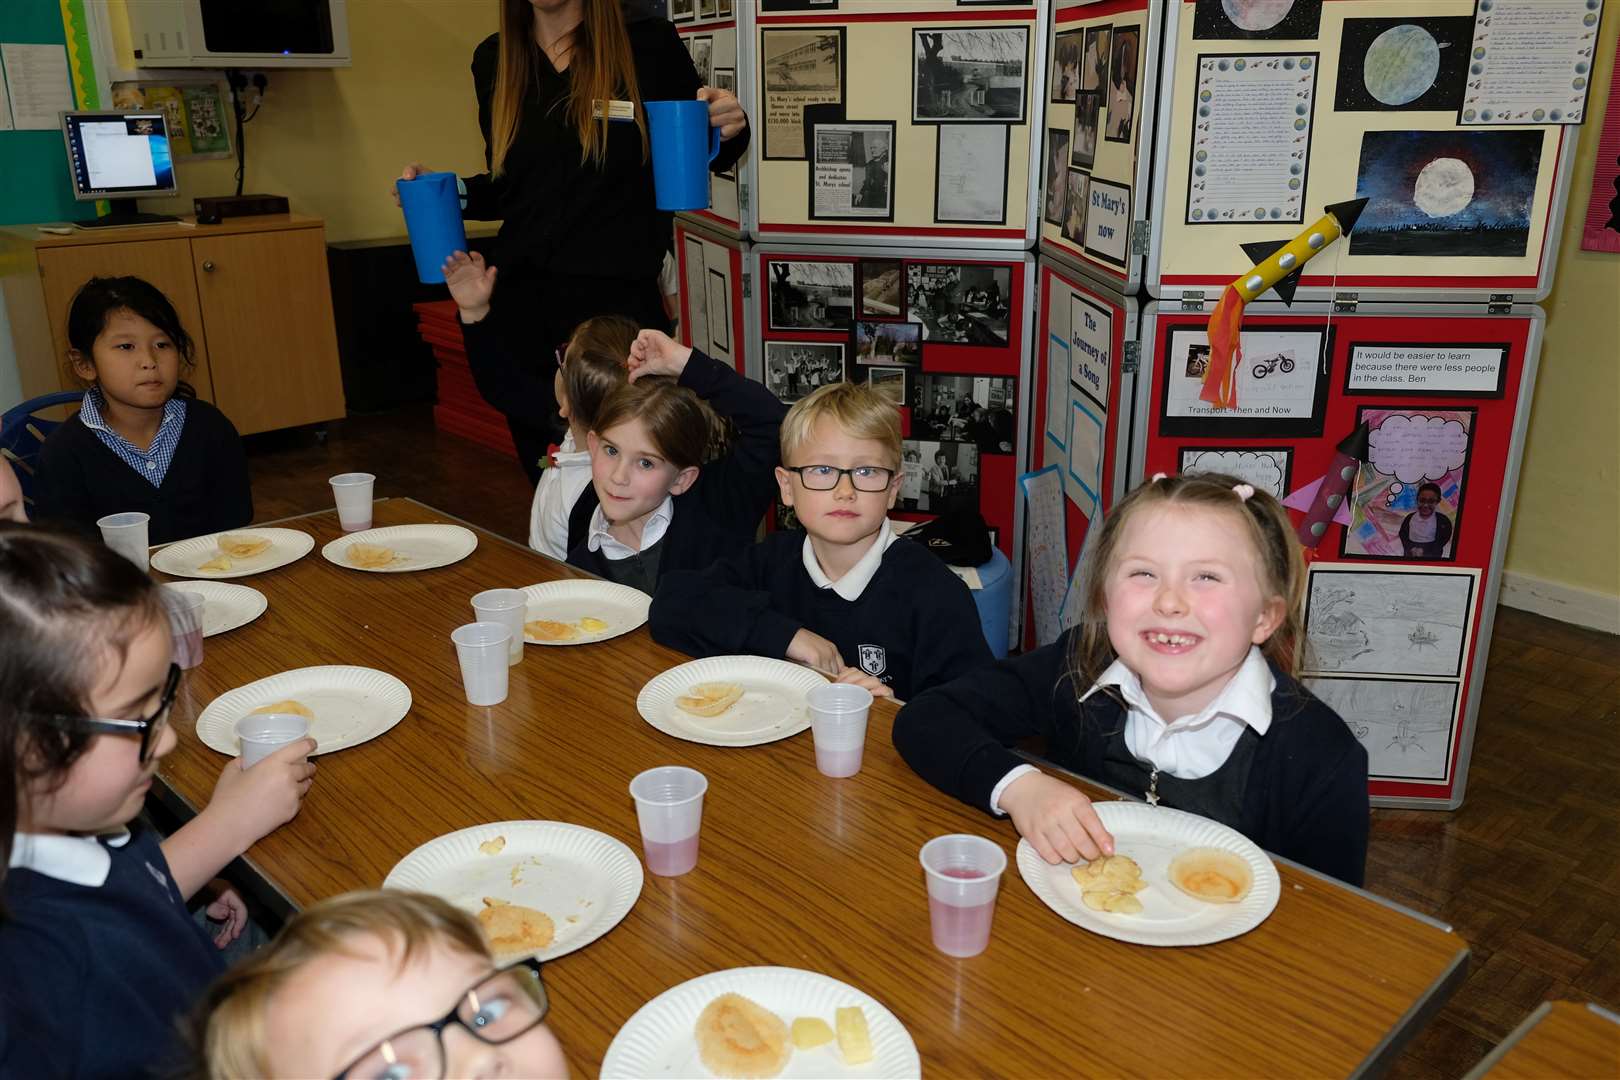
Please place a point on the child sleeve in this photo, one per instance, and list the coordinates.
(945, 626)
(1328, 816)
(61, 491)
(724, 609)
(524, 392)
(737, 489)
(231, 489)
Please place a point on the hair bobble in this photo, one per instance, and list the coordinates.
(1157, 477)
(1243, 491)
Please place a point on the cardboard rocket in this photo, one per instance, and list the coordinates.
(1326, 499)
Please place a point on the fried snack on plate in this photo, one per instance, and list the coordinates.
(369, 556)
(546, 630)
(810, 1032)
(493, 847)
(296, 708)
(737, 1038)
(513, 928)
(1212, 874)
(1107, 883)
(854, 1040)
(217, 565)
(242, 545)
(709, 699)
(591, 625)
(1118, 903)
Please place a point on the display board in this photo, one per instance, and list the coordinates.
(896, 122)
(708, 29)
(713, 315)
(1099, 108)
(1403, 584)
(1084, 387)
(1276, 109)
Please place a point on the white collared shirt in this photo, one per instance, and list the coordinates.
(652, 532)
(859, 576)
(560, 486)
(77, 860)
(1188, 747)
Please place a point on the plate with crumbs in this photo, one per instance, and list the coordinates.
(730, 700)
(399, 549)
(234, 554)
(580, 612)
(346, 706)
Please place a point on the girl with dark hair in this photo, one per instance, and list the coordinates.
(142, 439)
(98, 956)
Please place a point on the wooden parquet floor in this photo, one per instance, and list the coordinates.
(1527, 871)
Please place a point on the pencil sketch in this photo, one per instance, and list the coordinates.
(1388, 623)
(1405, 726)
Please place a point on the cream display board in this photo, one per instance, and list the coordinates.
(1272, 110)
(1098, 110)
(710, 35)
(712, 311)
(900, 120)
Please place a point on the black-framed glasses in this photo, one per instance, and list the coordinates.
(502, 1006)
(868, 478)
(146, 727)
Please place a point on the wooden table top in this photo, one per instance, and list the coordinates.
(797, 869)
(1561, 1038)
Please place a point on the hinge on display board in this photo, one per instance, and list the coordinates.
(1192, 300)
(1132, 362)
(1500, 304)
(742, 200)
(748, 285)
(1141, 236)
(1344, 303)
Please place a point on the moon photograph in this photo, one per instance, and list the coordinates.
(1415, 64)
(1277, 19)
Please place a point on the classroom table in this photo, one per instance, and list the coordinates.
(1561, 1038)
(796, 869)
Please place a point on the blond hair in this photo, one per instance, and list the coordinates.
(1277, 556)
(859, 411)
(228, 1025)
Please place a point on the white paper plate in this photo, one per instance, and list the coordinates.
(183, 557)
(351, 705)
(417, 547)
(658, 1039)
(226, 606)
(620, 606)
(772, 706)
(1153, 835)
(585, 880)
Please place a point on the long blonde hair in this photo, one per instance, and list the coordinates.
(602, 68)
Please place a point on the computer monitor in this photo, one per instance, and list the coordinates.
(119, 156)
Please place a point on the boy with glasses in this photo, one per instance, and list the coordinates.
(844, 596)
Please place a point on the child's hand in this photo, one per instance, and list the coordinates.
(656, 353)
(471, 284)
(1056, 818)
(254, 802)
(227, 908)
(856, 677)
(815, 651)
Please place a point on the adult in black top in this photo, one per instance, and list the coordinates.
(579, 238)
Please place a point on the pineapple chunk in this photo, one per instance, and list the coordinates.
(853, 1039)
(810, 1032)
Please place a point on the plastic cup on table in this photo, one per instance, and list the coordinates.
(509, 607)
(669, 809)
(432, 206)
(963, 873)
(482, 649)
(262, 734)
(186, 625)
(352, 493)
(838, 715)
(683, 144)
(126, 534)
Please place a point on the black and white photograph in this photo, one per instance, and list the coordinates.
(890, 344)
(719, 313)
(890, 382)
(852, 175)
(801, 68)
(1094, 61)
(725, 9)
(708, 9)
(1066, 65)
(1057, 168)
(883, 289)
(1379, 622)
(1074, 221)
(1083, 144)
(964, 408)
(1122, 85)
(969, 75)
(682, 10)
(794, 368)
(959, 304)
(938, 477)
(703, 58)
(726, 79)
(970, 174)
(811, 295)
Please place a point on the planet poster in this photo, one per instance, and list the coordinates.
(1456, 194)
(1225, 20)
(1403, 64)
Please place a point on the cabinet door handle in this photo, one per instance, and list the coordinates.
(208, 266)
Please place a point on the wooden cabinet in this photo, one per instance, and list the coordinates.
(252, 293)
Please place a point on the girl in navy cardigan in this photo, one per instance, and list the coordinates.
(1176, 685)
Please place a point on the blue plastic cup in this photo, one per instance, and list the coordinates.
(432, 208)
(683, 144)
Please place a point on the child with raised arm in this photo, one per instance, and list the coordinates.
(376, 984)
(846, 595)
(1176, 685)
(142, 439)
(98, 956)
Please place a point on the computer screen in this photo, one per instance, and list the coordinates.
(118, 155)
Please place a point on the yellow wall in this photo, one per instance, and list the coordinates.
(1566, 526)
(332, 141)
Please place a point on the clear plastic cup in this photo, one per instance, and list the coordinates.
(669, 808)
(126, 534)
(352, 492)
(838, 715)
(509, 607)
(262, 734)
(963, 873)
(186, 625)
(482, 647)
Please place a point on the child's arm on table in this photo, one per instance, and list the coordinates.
(247, 804)
(524, 391)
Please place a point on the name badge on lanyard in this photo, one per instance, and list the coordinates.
(619, 111)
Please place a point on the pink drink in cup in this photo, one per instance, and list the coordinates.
(669, 809)
(838, 715)
(963, 874)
